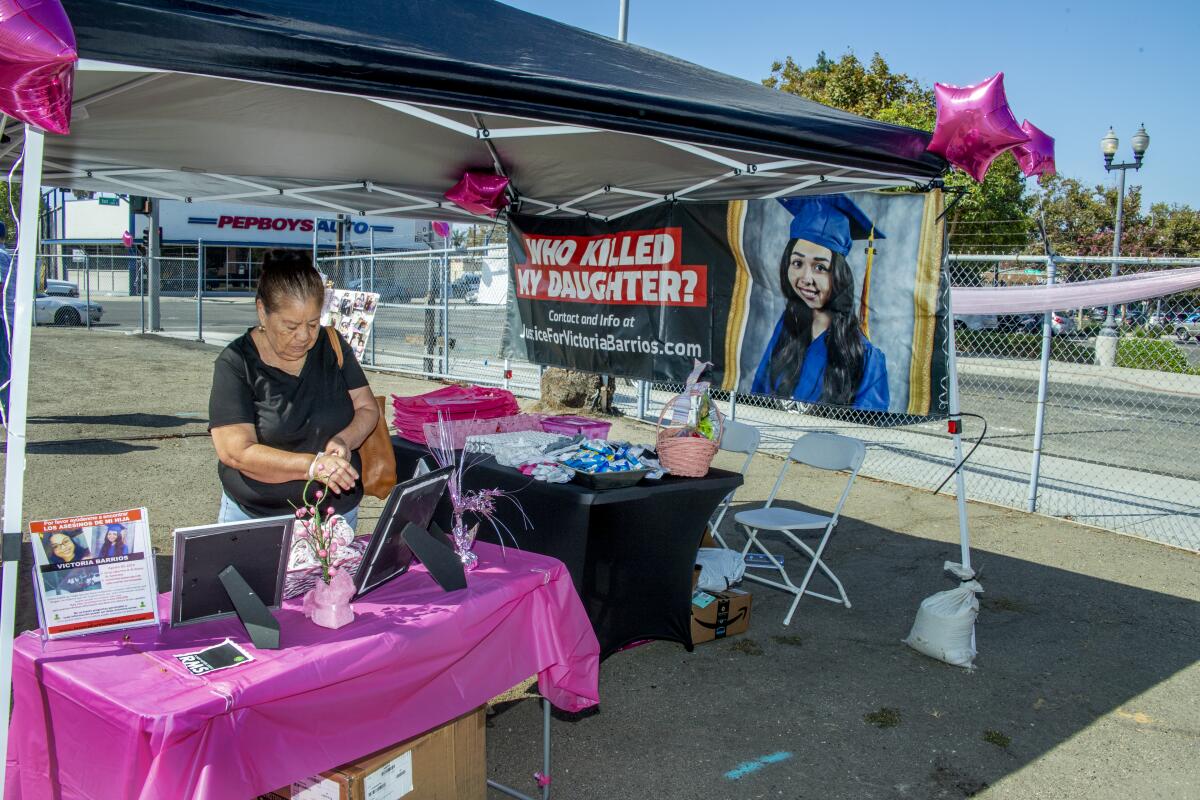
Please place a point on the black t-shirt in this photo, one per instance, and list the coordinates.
(296, 413)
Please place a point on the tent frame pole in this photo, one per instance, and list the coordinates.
(14, 465)
(960, 484)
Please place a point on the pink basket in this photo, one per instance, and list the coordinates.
(572, 426)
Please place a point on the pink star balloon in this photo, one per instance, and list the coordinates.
(442, 229)
(479, 193)
(974, 125)
(1036, 156)
(37, 58)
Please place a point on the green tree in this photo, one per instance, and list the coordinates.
(991, 217)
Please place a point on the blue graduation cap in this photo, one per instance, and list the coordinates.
(830, 220)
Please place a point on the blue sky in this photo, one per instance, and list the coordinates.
(1072, 68)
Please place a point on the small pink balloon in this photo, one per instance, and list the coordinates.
(127, 239)
(974, 125)
(37, 63)
(442, 229)
(480, 193)
(1036, 156)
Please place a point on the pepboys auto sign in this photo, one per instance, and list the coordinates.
(301, 224)
(256, 225)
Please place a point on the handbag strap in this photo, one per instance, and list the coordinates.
(333, 341)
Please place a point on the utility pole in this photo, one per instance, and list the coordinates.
(155, 279)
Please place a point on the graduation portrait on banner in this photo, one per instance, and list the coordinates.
(826, 300)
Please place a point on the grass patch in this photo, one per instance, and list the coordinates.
(997, 738)
(747, 647)
(790, 641)
(1153, 354)
(1134, 351)
(883, 718)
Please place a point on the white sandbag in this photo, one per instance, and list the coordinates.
(945, 624)
(719, 568)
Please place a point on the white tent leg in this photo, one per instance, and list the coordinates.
(964, 536)
(14, 465)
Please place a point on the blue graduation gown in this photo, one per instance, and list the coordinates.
(872, 394)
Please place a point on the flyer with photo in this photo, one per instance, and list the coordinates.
(94, 573)
(353, 314)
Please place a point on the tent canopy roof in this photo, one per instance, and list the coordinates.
(379, 108)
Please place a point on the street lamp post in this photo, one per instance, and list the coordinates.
(1106, 342)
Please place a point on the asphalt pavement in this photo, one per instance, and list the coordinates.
(1087, 683)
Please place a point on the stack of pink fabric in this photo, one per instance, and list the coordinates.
(452, 403)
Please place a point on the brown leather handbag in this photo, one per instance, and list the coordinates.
(378, 458)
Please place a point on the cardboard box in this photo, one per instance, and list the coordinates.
(447, 763)
(717, 615)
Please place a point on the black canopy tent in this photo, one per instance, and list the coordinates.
(380, 107)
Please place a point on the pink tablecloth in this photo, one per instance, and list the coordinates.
(104, 717)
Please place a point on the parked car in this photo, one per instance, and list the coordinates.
(1168, 319)
(61, 288)
(976, 322)
(49, 310)
(466, 287)
(388, 292)
(1134, 319)
(1061, 323)
(1189, 327)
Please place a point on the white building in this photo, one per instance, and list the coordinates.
(233, 238)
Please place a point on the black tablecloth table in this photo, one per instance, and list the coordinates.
(631, 552)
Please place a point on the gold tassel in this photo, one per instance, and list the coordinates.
(864, 306)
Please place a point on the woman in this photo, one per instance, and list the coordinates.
(281, 411)
(114, 542)
(61, 547)
(818, 353)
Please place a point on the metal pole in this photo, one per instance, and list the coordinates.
(199, 290)
(371, 244)
(155, 276)
(14, 463)
(445, 312)
(623, 22)
(733, 399)
(87, 277)
(316, 222)
(1043, 380)
(641, 399)
(960, 485)
(1110, 322)
(507, 372)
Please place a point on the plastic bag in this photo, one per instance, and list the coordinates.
(719, 568)
(945, 624)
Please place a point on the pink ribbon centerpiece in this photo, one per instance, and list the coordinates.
(481, 503)
(325, 533)
(37, 63)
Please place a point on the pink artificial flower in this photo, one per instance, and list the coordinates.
(333, 546)
(319, 494)
(300, 512)
(322, 553)
(328, 509)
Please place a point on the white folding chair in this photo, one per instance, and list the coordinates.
(736, 437)
(824, 451)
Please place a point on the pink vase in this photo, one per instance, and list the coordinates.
(328, 604)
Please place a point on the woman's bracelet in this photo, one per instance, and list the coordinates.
(313, 466)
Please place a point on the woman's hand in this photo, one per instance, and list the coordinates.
(337, 447)
(335, 472)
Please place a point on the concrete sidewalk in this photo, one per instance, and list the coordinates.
(1087, 683)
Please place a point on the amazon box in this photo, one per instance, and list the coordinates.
(447, 763)
(717, 615)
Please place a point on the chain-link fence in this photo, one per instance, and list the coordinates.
(1115, 424)
(1113, 445)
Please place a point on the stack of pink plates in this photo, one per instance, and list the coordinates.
(451, 403)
